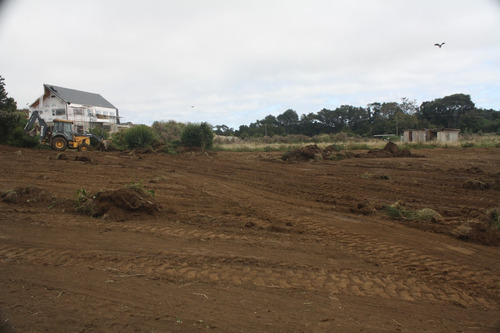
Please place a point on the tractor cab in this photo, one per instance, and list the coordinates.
(63, 137)
(64, 128)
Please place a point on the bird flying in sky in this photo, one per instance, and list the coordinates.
(439, 44)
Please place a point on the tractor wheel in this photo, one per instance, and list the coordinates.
(59, 144)
(83, 147)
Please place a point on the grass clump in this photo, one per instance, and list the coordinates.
(398, 211)
(139, 187)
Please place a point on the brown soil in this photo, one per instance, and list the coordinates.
(245, 242)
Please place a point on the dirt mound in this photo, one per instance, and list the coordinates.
(83, 159)
(31, 195)
(62, 156)
(390, 150)
(476, 184)
(315, 153)
(307, 153)
(125, 202)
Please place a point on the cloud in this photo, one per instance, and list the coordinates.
(238, 61)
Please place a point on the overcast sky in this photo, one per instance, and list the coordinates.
(235, 61)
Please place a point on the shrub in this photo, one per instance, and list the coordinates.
(198, 135)
(140, 136)
(168, 131)
(118, 140)
(19, 139)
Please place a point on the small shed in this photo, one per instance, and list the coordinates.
(431, 135)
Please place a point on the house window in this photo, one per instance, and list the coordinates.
(78, 112)
(58, 112)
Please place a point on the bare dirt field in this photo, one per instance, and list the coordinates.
(246, 242)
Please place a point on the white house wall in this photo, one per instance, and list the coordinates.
(51, 108)
(84, 116)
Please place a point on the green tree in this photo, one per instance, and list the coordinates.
(140, 136)
(288, 120)
(408, 106)
(446, 111)
(223, 130)
(198, 135)
(9, 119)
(309, 124)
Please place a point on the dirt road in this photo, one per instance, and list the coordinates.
(244, 242)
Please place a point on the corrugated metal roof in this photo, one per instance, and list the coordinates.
(79, 97)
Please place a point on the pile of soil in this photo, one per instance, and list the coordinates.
(476, 184)
(315, 153)
(307, 153)
(390, 150)
(31, 195)
(120, 204)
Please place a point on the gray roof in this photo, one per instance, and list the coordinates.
(79, 97)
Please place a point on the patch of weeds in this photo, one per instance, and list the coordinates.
(357, 146)
(428, 215)
(158, 179)
(84, 202)
(397, 211)
(421, 145)
(140, 187)
(336, 147)
(467, 145)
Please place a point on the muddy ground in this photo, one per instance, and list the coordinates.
(247, 242)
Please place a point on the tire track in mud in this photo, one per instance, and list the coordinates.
(396, 256)
(193, 265)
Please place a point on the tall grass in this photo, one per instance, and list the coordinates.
(342, 142)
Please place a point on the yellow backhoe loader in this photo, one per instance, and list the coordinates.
(60, 136)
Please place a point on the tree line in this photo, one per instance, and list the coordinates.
(454, 111)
